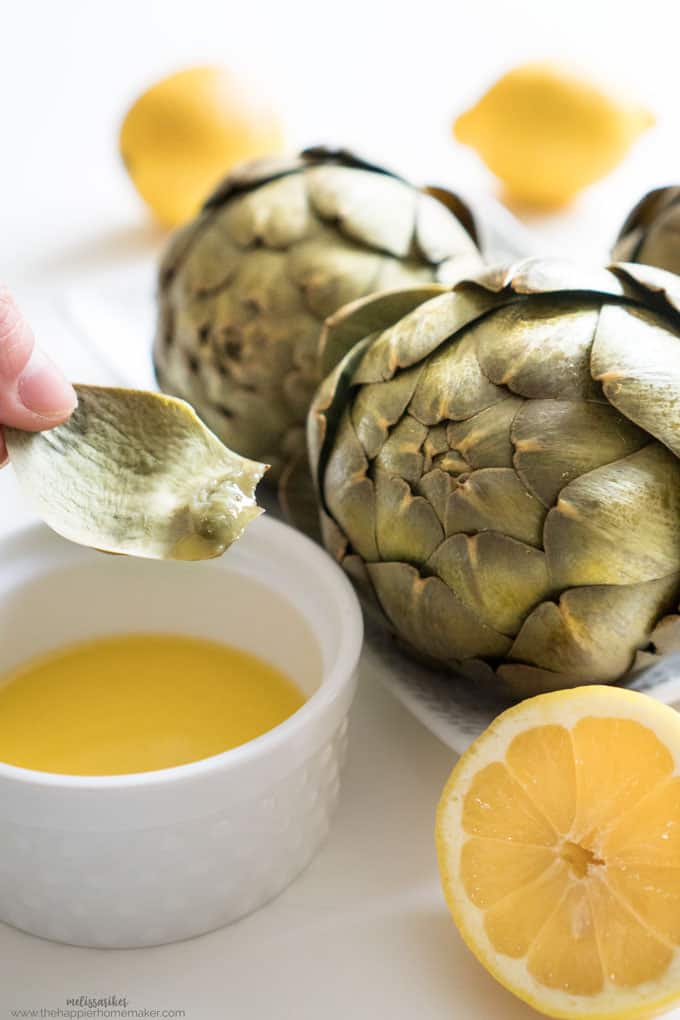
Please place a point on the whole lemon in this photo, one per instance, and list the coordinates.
(547, 133)
(186, 132)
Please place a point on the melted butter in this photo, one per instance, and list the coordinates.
(136, 703)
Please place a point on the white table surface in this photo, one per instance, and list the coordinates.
(364, 933)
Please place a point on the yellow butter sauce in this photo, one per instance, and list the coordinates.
(139, 702)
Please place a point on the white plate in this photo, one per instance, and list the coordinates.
(454, 709)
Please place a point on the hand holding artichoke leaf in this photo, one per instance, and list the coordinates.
(500, 468)
(651, 232)
(280, 246)
(137, 473)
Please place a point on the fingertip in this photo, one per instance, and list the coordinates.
(44, 391)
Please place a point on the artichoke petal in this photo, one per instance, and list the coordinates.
(426, 613)
(334, 539)
(209, 263)
(652, 285)
(484, 439)
(436, 443)
(499, 579)
(331, 275)
(420, 332)
(494, 499)
(438, 234)
(407, 527)
(372, 314)
(453, 463)
(452, 385)
(402, 453)
(378, 407)
(436, 486)
(661, 246)
(554, 442)
(349, 494)
(375, 209)
(594, 631)
(637, 360)
(593, 535)
(275, 215)
(521, 681)
(178, 247)
(137, 473)
(539, 350)
(540, 275)
(394, 273)
(648, 213)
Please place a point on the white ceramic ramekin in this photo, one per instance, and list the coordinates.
(143, 859)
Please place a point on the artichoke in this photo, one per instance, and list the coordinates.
(651, 233)
(499, 469)
(245, 288)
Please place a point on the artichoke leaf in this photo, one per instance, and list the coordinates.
(276, 215)
(636, 357)
(539, 350)
(407, 527)
(452, 385)
(429, 617)
(539, 275)
(349, 493)
(652, 284)
(137, 473)
(326, 412)
(379, 406)
(619, 524)
(394, 274)
(252, 174)
(438, 233)
(498, 579)
(644, 215)
(421, 332)
(330, 272)
(494, 499)
(661, 246)
(484, 439)
(402, 453)
(436, 486)
(297, 497)
(374, 209)
(520, 681)
(209, 264)
(368, 315)
(553, 442)
(179, 245)
(596, 630)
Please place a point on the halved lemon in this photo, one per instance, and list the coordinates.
(558, 836)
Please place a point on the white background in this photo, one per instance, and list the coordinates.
(363, 934)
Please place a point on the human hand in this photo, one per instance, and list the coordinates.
(34, 395)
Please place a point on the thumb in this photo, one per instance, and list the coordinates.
(34, 394)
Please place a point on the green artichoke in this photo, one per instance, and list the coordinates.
(651, 233)
(245, 288)
(499, 469)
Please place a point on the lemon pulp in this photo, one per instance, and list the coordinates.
(135, 703)
(559, 847)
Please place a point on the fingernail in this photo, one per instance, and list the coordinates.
(43, 389)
